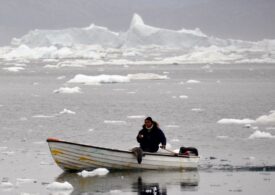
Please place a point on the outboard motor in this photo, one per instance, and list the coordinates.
(190, 151)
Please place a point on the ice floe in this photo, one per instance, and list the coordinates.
(139, 44)
(197, 110)
(116, 122)
(58, 186)
(14, 69)
(68, 90)
(193, 81)
(20, 181)
(146, 76)
(6, 185)
(136, 116)
(261, 134)
(236, 121)
(264, 119)
(96, 172)
(96, 80)
(183, 97)
(43, 116)
(66, 111)
(101, 79)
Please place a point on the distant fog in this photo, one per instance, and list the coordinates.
(237, 19)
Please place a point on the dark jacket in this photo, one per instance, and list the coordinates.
(151, 139)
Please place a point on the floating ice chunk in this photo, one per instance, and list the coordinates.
(265, 119)
(236, 121)
(222, 137)
(43, 116)
(57, 186)
(6, 185)
(193, 81)
(68, 90)
(261, 134)
(147, 76)
(14, 69)
(24, 180)
(96, 172)
(96, 80)
(136, 116)
(61, 77)
(66, 111)
(197, 109)
(183, 96)
(172, 126)
(115, 122)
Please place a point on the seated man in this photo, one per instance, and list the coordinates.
(151, 136)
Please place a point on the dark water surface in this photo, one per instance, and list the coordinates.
(230, 161)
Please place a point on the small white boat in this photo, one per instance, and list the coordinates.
(76, 157)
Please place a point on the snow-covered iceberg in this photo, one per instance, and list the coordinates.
(140, 44)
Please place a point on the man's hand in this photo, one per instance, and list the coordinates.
(163, 146)
(140, 136)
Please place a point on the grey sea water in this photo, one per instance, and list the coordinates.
(30, 112)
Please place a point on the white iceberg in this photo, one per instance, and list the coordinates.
(68, 90)
(266, 119)
(96, 80)
(260, 134)
(66, 111)
(14, 69)
(140, 44)
(236, 121)
(58, 186)
(96, 172)
(116, 122)
(146, 76)
(193, 81)
(6, 185)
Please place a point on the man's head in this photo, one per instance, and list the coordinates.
(148, 122)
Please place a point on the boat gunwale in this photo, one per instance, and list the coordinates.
(117, 150)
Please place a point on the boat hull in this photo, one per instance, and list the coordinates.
(76, 157)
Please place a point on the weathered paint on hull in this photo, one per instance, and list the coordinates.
(76, 157)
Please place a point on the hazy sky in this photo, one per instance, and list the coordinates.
(238, 19)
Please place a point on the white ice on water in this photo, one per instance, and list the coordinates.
(68, 90)
(59, 186)
(14, 69)
(236, 121)
(264, 119)
(103, 79)
(116, 122)
(136, 117)
(96, 172)
(96, 80)
(140, 44)
(66, 111)
(261, 134)
(193, 81)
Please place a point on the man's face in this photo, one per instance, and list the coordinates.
(148, 124)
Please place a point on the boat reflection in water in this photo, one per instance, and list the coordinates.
(133, 182)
